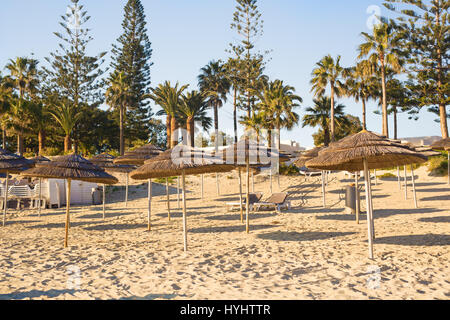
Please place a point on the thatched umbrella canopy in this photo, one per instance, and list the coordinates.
(247, 153)
(106, 162)
(70, 167)
(39, 159)
(137, 157)
(444, 145)
(11, 163)
(178, 161)
(364, 151)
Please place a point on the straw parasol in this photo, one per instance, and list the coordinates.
(364, 151)
(11, 163)
(178, 161)
(444, 145)
(70, 167)
(137, 157)
(248, 153)
(39, 159)
(106, 162)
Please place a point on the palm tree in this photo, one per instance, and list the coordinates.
(319, 115)
(67, 116)
(194, 108)
(382, 49)
(361, 86)
(169, 99)
(6, 97)
(214, 83)
(233, 68)
(278, 101)
(118, 96)
(328, 72)
(23, 74)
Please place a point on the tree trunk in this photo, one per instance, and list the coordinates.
(41, 139)
(364, 123)
(169, 130)
(332, 113)
(269, 137)
(235, 116)
(20, 144)
(121, 137)
(67, 144)
(216, 127)
(384, 101)
(190, 126)
(442, 106)
(326, 136)
(395, 123)
(443, 117)
(173, 128)
(3, 138)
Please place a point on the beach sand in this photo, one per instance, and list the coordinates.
(307, 252)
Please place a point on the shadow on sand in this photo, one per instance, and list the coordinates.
(416, 240)
(35, 294)
(445, 219)
(304, 236)
(238, 228)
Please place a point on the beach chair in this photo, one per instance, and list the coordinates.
(20, 192)
(253, 197)
(276, 200)
(309, 172)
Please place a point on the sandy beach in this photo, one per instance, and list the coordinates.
(307, 252)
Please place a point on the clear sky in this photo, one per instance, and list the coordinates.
(187, 34)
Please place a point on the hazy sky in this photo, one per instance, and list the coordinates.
(187, 34)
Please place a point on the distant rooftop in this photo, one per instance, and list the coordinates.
(421, 141)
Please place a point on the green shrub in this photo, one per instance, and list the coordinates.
(438, 165)
(288, 170)
(51, 152)
(163, 180)
(387, 175)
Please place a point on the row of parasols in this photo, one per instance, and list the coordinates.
(154, 163)
(365, 151)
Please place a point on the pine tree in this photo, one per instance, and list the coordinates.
(249, 26)
(73, 74)
(428, 44)
(131, 55)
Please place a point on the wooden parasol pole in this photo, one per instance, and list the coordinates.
(178, 192)
(414, 186)
(66, 240)
(183, 182)
(357, 197)
(448, 165)
(323, 190)
(247, 202)
(126, 191)
(406, 183)
(370, 213)
(149, 211)
(40, 197)
(241, 206)
(168, 198)
(5, 204)
(369, 221)
(398, 178)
